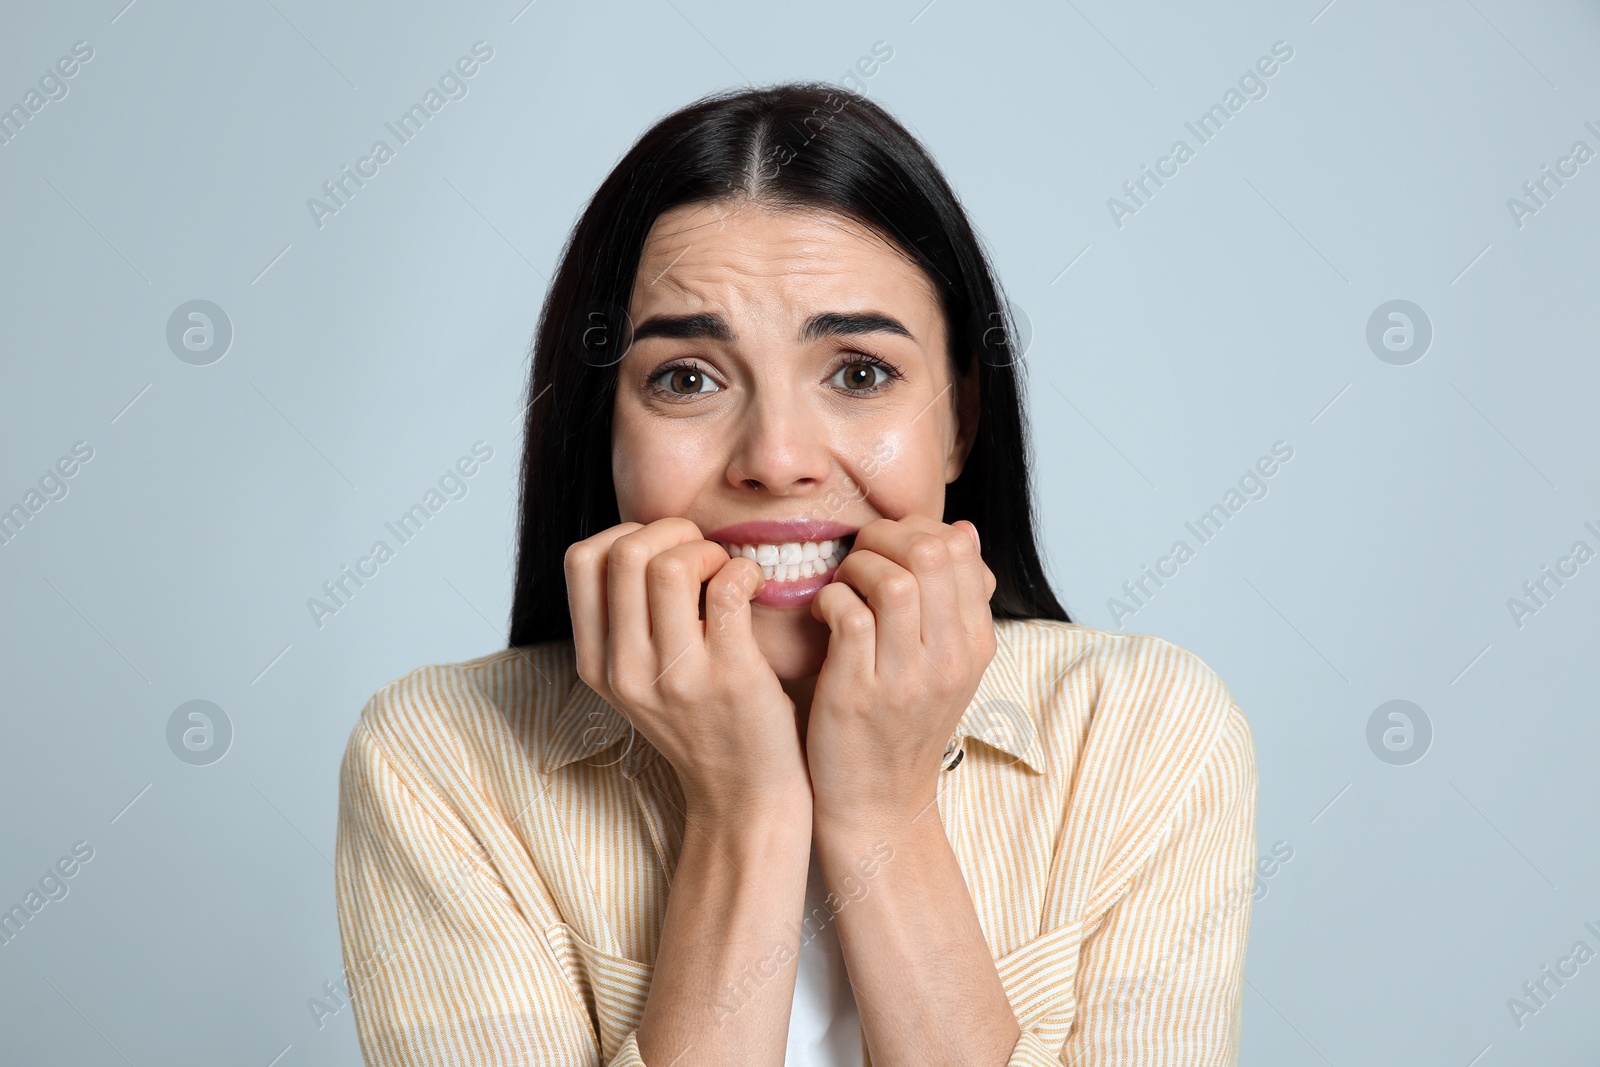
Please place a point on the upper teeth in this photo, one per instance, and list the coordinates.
(791, 560)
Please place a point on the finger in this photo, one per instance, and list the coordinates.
(631, 640)
(585, 567)
(730, 633)
(918, 544)
(950, 559)
(890, 591)
(852, 631)
(974, 580)
(672, 584)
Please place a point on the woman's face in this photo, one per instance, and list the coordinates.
(751, 395)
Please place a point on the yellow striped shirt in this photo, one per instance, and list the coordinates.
(506, 842)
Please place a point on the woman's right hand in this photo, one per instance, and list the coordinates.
(700, 690)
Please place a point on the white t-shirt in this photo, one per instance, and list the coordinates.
(824, 1025)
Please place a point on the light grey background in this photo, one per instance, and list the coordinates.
(1168, 354)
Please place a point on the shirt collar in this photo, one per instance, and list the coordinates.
(997, 715)
(586, 726)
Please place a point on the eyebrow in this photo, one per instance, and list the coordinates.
(716, 328)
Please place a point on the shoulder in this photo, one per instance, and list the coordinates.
(1134, 693)
(1149, 737)
(1059, 651)
(444, 715)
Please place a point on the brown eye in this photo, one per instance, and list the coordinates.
(862, 376)
(683, 380)
(690, 380)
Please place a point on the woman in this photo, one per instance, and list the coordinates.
(780, 766)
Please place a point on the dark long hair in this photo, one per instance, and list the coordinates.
(796, 145)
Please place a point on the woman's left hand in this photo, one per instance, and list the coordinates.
(911, 635)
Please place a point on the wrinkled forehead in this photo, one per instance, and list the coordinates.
(731, 255)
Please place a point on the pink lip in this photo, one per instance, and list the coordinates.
(779, 531)
(801, 591)
(797, 593)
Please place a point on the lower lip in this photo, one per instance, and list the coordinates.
(796, 593)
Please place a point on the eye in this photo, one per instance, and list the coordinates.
(861, 374)
(690, 376)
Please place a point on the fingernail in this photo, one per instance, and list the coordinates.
(975, 536)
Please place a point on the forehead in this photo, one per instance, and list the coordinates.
(726, 253)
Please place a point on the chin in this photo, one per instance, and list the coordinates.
(794, 643)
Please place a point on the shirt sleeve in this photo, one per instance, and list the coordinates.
(442, 965)
(1161, 981)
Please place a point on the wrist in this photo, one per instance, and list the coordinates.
(853, 854)
(777, 812)
(859, 816)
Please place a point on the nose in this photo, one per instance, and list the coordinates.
(780, 446)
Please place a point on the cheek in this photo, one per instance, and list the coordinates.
(903, 472)
(657, 471)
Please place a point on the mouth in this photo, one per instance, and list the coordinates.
(794, 561)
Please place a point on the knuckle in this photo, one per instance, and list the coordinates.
(725, 593)
(669, 687)
(951, 662)
(679, 522)
(666, 569)
(675, 686)
(929, 553)
(900, 589)
(629, 551)
(857, 622)
(620, 684)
